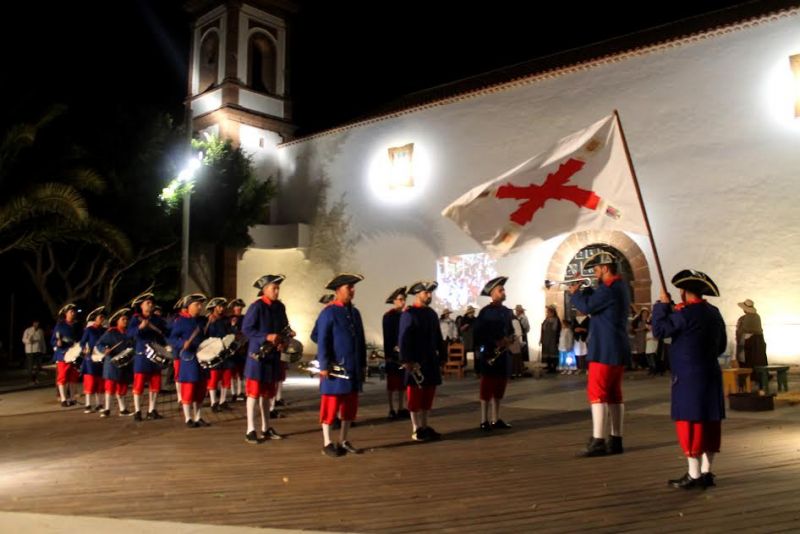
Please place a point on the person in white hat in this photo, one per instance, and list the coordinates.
(751, 350)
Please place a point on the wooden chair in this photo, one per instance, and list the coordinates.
(455, 362)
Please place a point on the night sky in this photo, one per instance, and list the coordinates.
(93, 59)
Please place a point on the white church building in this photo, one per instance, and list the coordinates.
(710, 112)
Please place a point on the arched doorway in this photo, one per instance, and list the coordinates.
(633, 265)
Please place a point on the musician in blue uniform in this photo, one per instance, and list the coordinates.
(92, 371)
(391, 353)
(216, 327)
(66, 333)
(493, 332)
(176, 362)
(420, 341)
(342, 357)
(265, 322)
(145, 327)
(236, 363)
(698, 338)
(609, 350)
(188, 331)
(112, 343)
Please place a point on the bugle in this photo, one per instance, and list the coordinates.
(585, 282)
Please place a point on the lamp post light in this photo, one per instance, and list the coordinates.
(186, 176)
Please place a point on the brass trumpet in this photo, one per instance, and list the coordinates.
(416, 374)
(500, 349)
(585, 282)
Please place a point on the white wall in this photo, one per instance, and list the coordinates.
(717, 165)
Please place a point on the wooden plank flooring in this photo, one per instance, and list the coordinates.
(525, 479)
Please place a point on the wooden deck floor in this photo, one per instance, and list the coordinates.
(525, 479)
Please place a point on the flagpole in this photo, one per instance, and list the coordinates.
(641, 203)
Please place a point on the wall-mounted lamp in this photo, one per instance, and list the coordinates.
(794, 61)
(401, 167)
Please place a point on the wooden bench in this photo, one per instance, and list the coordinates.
(736, 380)
(781, 373)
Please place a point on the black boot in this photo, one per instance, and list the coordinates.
(615, 445)
(595, 447)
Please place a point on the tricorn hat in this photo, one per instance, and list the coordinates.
(601, 258)
(216, 301)
(194, 297)
(327, 298)
(493, 283)
(117, 314)
(344, 279)
(422, 285)
(396, 293)
(95, 312)
(697, 282)
(147, 295)
(470, 310)
(66, 308)
(268, 279)
(236, 302)
(179, 304)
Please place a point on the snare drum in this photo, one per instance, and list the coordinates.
(74, 356)
(123, 358)
(98, 355)
(293, 352)
(158, 354)
(210, 353)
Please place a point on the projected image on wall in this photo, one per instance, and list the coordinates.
(461, 279)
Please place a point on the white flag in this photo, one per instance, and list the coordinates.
(582, 182)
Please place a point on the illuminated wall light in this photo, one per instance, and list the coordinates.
(794, 61)
(401, 167)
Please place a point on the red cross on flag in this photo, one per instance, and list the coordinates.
(583, 182)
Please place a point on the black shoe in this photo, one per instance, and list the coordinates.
(137, 416)
(88, 409)
(271, 433)
(224, 407)
(191, 424)
(686, 482)
(392, 415)
(65, 404)
(71, 402)
(500, 424)
(348, 447)
(252, 437)
(595, 447)
(420, 435)
(154, 415)
(331, 450)
(215, 408)
(281, 402)
(403, 414)
(275, 414)
(124, 413)
(615, 445)
(201, 422)
(486, 426)
(98, 408)
(708, 479)
(432, 434)
(105, 413)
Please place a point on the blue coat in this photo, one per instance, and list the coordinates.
(492, 325)
(111, 371)
(143, 335)
(391, 339)
(698, 338)
(608, 331)
(69, 334)
(420, 340)
(261, 320)
(182, 330)
(340, 335)
(88, 340)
